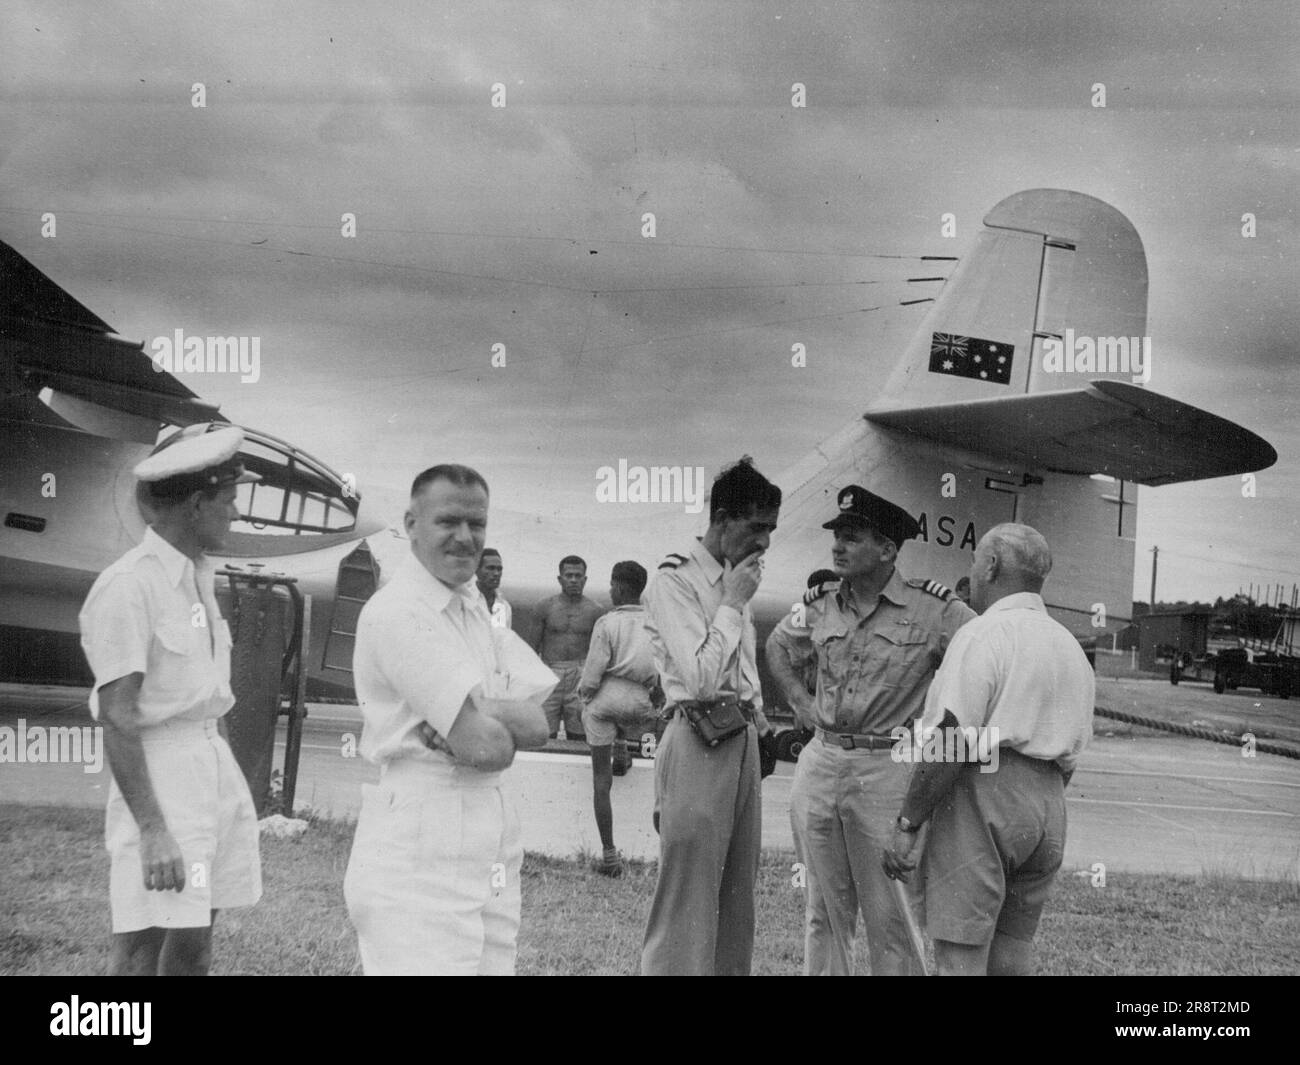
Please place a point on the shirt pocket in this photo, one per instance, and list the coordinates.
(171, 667)
(900, 655)
(829, 641)
(176, 637)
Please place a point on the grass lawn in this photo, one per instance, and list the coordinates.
(54, 913)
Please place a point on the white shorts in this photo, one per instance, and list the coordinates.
(209, 811)
(432, 885)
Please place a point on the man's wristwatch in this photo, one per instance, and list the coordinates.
(904, 825)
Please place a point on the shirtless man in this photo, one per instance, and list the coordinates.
(563, 641)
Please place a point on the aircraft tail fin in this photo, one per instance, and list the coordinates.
(1035, 348)
(1047, 260)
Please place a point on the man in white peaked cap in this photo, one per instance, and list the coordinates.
(181, 828)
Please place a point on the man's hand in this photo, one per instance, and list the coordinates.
(897, 861)
(741, 581)
(161, 860)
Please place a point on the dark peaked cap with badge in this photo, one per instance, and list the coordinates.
(195, 460)
(866, 509)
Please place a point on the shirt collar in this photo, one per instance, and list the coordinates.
(628, 607)
(1017, 601)
(173, 561)
(711, 567)
(428, 587)
(894, 590)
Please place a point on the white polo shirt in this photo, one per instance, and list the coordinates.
(422, 649)
(153, 611)
(1015, 669)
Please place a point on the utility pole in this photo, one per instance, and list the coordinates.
(1155, 554)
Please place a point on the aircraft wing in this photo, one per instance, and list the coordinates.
(49, 340)
(1108, 427)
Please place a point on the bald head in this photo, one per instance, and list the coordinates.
(1009, 558)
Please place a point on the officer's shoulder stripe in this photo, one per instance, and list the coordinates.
(816, 592)
(934, 588)
(672, 561)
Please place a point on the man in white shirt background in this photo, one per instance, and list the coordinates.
(490, 569)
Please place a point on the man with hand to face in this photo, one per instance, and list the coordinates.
(432, 886)
(707, 773)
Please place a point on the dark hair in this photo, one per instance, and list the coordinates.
(821, 576)
(173, 490)
(461, 476)
(740, 490)
(573, 560)
(631, 575)
(489, 551)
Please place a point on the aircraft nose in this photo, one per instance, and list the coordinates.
(368, 519)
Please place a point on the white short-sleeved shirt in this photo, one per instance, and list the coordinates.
(501, 613)
(422, 649)
(1015, 669)
(153, 611)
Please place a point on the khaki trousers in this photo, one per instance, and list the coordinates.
(710, 831)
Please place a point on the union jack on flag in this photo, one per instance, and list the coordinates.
(948, 345)
(980, 360)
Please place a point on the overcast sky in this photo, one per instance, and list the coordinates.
(521, 225)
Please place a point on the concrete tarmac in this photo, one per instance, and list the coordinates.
(1154, 804)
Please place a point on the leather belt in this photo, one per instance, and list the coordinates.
(851, 741)
(745, 706)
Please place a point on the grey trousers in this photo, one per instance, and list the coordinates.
(710, 831)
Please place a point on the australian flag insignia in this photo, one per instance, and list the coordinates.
(982, 360)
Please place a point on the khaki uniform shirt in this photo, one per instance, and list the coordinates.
(702, 649)
(875, 660)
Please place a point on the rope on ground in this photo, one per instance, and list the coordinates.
(1195, 731)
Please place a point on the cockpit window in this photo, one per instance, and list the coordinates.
(297, 493)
